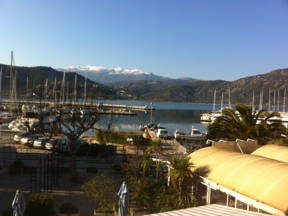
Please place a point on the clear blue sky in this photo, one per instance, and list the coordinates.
(204, 39)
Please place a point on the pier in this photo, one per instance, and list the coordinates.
(76, 104)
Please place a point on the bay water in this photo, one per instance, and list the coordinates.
(171, 115)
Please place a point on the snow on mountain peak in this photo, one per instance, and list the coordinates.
(109, 70)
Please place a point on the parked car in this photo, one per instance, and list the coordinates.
(169, 137)
(50, 144)
(17, 138)
(40, 142)
(161, 133)
(63, 144)
(29, 140)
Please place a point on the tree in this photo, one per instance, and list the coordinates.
(102, 189)
(244, 123)
(155, 148)
(146, 162)
(73, 125)
(181, 176)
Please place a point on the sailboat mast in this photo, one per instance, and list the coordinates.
(85, 88)
(214, 100)
(12, 79)
(253, 102)
(284, 100)
(278, 100)
(274, 100)
(75, 88)
(11, 76)
(46, 89)
(229, 98)
(67, 92)
(261, 100)
(63, 88)
(269, 98)
(54, 89)
(27, 86)
(222, 99)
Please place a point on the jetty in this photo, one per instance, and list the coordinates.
(75, 104)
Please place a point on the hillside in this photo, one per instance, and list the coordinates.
(108, 75)
(199, 91)
(178, 90)
(36, 81)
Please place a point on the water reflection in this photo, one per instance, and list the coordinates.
(169, 118)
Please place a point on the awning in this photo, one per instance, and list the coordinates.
(210, 210)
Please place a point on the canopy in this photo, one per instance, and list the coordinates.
(256, 177)
(276, 152)
(210, 210)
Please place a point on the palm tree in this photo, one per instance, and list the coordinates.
(181, 176)
(155, 148)
(243, 123)
(146, 162)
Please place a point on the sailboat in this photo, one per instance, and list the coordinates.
(211, 116)
(7, 116)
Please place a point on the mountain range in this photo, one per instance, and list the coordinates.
(119, 83)
(201, 91)
(33, 80)
(108, 75)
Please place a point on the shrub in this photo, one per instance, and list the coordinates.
(100, 136)
(40, 204)
(68, 208)
(102, 190)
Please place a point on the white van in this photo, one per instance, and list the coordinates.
(161, 133)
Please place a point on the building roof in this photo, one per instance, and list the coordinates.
(259, 178)
(209, 210)
(276, 152)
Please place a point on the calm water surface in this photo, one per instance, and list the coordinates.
(168, 114)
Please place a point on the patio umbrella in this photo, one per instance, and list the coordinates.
(18, 204)
(123, 200)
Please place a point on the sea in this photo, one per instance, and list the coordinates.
(170, 115)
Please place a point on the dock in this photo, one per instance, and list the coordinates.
(76, 104)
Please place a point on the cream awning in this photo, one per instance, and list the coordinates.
(259, 178)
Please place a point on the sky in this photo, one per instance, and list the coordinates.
(202, 39)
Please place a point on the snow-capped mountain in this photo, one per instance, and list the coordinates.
(106, 75)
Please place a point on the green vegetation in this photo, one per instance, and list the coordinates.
(178, 90)
(148, 184)
(243, 123)
(104, 137)
(38, 75)
(102, 190)
(201, 91)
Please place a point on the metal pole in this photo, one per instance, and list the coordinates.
(274, 101)
(269, 102)
(214, 101)
(63, 87)
(253, 102)
(85, 88)
(284, 100)
(229, 98)
(222, 98)
(278, 101)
